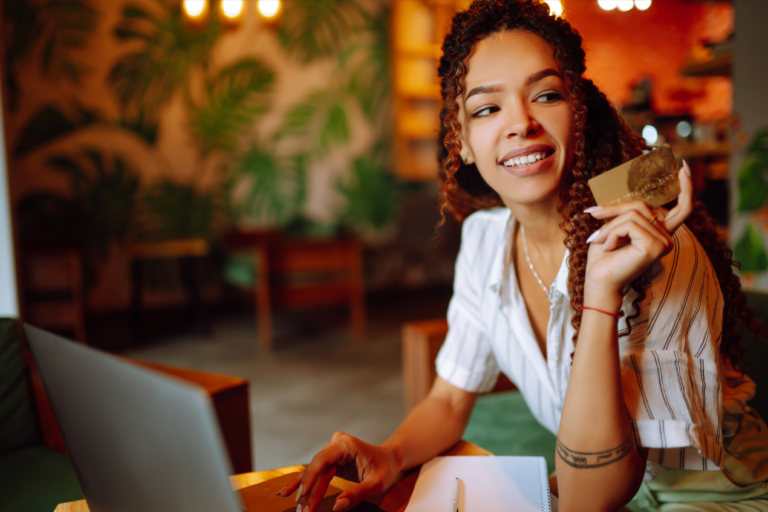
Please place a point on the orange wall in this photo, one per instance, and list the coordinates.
(622, 47)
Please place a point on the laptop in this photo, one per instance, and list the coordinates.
(138, 440)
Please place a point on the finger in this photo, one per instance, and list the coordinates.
(634, 216)
(614, 210)
(354, 495)
(329, 456)
(292, 485)
(318, 491)
(640, 236)
(679, 213)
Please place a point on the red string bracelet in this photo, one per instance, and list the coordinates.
(614, 315)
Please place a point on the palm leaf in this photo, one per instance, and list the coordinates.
(313, 29)
(151, 75)
(371, 196)
(276, 187)
(169, 210)
(50, 123)
(235, 97)
(318, 122)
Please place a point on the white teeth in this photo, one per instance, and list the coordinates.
(524, 160)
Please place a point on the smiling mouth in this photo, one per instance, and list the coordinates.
(526, 160)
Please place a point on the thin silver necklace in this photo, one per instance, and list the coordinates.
(530, 265)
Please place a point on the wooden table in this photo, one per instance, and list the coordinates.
(394, 500)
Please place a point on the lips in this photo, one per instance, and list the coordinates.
(527, 160)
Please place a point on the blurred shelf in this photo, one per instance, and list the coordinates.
(420, 92)
(720, 65)
(430, 51)
(701, 149)
(417, 173)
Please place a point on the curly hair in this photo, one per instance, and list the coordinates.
(600, 140)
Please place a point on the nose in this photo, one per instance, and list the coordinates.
(520, 122)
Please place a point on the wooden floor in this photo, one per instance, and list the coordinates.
(318, 379)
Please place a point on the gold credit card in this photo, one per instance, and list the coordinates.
(651, 177)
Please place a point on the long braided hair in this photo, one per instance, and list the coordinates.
(601, 141)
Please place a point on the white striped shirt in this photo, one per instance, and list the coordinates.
(670, 364)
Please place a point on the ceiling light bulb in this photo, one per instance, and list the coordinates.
(683, 129)
(650, 134)
(269, 8)
(194, 8)
(625, 5)
(607, 5)
(232, 8)
(555, 7)
(642, 4)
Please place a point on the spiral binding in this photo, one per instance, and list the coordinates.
(545, 486)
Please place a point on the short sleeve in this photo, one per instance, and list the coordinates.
(670, 372)
(466, 358)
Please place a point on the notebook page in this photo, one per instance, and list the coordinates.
(488, 484)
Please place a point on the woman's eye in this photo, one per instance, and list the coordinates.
(549, 97)
(483, 112)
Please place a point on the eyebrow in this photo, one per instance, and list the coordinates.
(532, 79)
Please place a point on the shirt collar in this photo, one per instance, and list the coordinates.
(502, 263)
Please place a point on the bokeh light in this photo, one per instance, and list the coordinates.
(683, 129)
(269, 8)
(650, 134)
(194, 8)
(608, 5)
(232, 8)
(642, 4)
(625, 5)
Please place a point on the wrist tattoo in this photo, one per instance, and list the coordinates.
(587, 460)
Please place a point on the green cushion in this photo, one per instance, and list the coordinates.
(18, 422)
(502, 424)
(36, 480)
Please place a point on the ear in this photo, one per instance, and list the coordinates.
(466, 154)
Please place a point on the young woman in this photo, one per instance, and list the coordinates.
(652, 400)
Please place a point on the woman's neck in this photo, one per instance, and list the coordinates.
(543, 234)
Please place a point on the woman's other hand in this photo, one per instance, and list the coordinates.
(636, 237)
(373, 467)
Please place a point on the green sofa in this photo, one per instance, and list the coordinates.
(33, 478)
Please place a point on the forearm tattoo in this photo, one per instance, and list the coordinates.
(587, 460)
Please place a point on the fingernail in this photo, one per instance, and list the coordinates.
(298, 495)
(687, 168)
(280, 492)
(298, 509)
(593, 236)
(593, 209)
(306, 508)
(341, 504)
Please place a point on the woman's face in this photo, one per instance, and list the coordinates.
(516, 122)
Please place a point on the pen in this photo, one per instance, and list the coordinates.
(453, 506)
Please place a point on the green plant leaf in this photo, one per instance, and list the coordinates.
(750, 252)
(149, 76)
(371, 196)
(170, 210)
(759, 143)
(752, 184)
(318, 122)
(276, 187)
(69, 26)
(50, 123)
(235, 98)
(312, 29)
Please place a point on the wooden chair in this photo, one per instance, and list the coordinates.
(421, 341)
(306, 273)
(53, 294)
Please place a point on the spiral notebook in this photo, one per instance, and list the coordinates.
(488, 484)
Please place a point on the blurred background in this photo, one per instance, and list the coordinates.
(250, 187)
